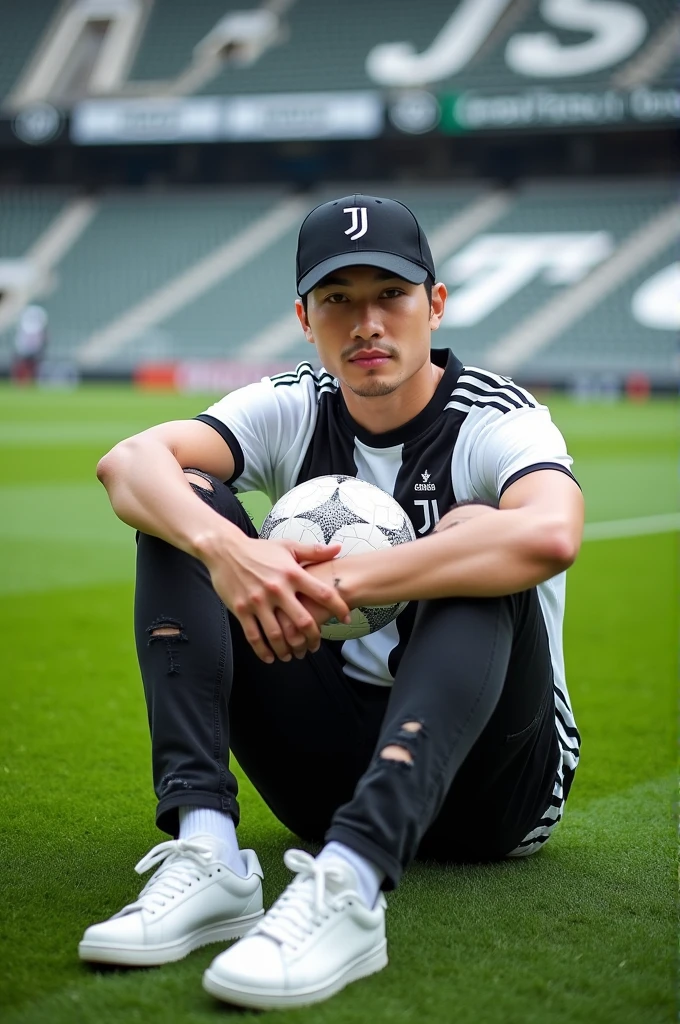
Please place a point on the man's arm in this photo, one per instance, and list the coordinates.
(149, 491)
(534, 535)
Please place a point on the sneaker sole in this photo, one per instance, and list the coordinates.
(369, 963)
(166, 952)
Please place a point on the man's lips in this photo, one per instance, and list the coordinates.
(371, 357)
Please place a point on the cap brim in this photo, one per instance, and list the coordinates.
(398, 265)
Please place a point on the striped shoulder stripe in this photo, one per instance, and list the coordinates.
(303, 369)
(472, 388)
(463, 403)
(495, 382)
(484, 389)
(322, 379)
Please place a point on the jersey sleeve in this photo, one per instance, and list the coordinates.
(267, 429)
(504, 447)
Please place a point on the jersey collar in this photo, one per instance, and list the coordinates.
(425, 418)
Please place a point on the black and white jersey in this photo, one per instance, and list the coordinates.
(478, 434)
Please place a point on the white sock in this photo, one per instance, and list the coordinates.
(369, 875)
(201, 821)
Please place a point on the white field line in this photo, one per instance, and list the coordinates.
(555, 316)
(189, 284)
(668, 523)
(278, 336)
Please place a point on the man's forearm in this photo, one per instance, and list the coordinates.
(488, 556)
(148, 491)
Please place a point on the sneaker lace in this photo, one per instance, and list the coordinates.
(305, 904)
(182, 862)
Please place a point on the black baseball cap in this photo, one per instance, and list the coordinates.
(358, 230)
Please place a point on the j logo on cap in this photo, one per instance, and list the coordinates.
(326, 244)
(355, 210)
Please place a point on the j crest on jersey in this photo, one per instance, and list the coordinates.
(429, 506)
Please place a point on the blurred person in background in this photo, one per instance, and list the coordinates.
(30, 344)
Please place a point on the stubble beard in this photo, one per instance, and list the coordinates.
(374, 388)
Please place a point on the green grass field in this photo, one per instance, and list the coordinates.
(583, 932)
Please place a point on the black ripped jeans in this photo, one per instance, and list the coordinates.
(476, 676)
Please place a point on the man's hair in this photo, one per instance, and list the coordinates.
(428, 284)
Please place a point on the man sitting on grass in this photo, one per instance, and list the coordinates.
(448, 733)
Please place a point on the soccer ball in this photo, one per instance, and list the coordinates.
(359, 515)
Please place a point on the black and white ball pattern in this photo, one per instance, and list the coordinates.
(359, 515)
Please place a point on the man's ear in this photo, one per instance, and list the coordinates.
(304, 322)
(438, 305)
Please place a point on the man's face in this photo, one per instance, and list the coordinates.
(371, 328)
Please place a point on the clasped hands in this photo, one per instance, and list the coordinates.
(281, 591)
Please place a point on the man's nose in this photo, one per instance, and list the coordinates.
(368, 325)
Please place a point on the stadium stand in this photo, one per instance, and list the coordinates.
(219, 323)
(132, 246)
(314, 53)
(24, 215)
(172, 30)
(616, 209)
(490, 68)
(318, 49)
(22, 27)
(612, 339)
(317, 52)
(551, 237)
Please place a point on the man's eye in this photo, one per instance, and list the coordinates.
(392, 293)
(336, 297)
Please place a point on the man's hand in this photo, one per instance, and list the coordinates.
(325, 572)
(264, 584)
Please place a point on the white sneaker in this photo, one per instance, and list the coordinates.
(317, 937)
(192, 899)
